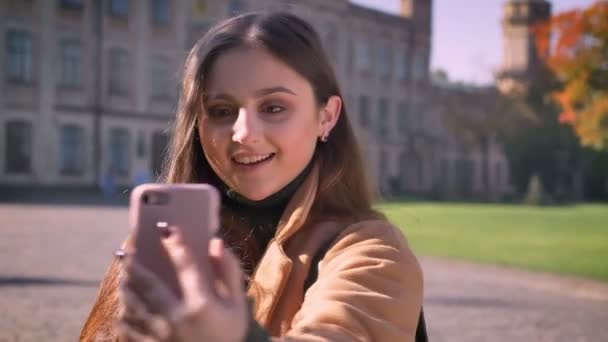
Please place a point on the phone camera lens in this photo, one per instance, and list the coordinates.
(145, 199)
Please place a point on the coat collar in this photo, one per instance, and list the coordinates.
(298, 208)
(273, 270)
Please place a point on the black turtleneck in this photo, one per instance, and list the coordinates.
(262, 216)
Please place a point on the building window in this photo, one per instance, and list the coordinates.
(384, 63)
(200, 7)
(403, 117)
(141, 144)
(119, 8)
(159, 77)
(71, 4)
(119, 71)
(383, 119)
(236, 6)
(119, 151)
(70, 62)
(401, 64)
(18, 56)
(498, 174)
(383, 171)
(160, 12)
(420, 67)
(18, 147)
(160, 141)
(417, 119)
(364, 114)
(332, 45)
(363, 55)
(71, 150)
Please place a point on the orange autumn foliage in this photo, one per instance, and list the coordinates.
(574, 45)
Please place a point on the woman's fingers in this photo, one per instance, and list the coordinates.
(216, 254)
(229, 271)
(193, 275)
(128, 333)
(234, 277)
(157, 297)
(135, 317)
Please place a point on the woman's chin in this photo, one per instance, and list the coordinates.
(256, 194)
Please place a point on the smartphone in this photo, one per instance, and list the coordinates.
(193, 208)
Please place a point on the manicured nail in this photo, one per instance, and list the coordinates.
(165, 231)
(120, 254)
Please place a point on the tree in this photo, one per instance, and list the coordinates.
(480, 117)
(574, 45)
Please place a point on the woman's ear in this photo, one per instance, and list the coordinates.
(329, 116)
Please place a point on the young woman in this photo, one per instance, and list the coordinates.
(261, 117)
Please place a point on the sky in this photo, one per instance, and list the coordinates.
(467, 35)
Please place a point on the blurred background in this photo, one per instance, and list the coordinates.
(484, 124)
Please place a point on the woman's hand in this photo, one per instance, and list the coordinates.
(213, 308)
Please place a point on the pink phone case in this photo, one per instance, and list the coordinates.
(193, 208)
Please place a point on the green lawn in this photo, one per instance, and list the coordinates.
(569, 239)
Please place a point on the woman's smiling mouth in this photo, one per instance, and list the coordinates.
(252, 160)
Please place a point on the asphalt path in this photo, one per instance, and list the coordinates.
(53, 256)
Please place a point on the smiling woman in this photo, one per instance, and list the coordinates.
(260, 125)
(261, 118)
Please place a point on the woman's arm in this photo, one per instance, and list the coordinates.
(369, 288)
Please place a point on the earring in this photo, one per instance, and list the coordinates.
(324, 137)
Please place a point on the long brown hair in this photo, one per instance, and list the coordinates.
(344, 190)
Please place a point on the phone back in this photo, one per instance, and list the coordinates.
(193, 208)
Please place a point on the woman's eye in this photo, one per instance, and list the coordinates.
(221, 112)
(273, 109)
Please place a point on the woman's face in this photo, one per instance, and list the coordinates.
(260, 122)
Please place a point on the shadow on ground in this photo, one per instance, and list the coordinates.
(22, 281)
(68, 196)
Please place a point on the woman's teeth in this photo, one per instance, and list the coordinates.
(252, 159)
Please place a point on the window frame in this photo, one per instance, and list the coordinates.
(71, 4)
(70, 63)
(19, 56)
(120, 154)
(160, 12)
(119, 77)
(71, 160)
(119, 8)
(364, 106)
(18, 153)
(160, 77)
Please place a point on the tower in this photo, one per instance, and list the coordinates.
(421, 13)
(521, 59)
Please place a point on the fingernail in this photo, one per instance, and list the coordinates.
(165, 231)
(120, 254)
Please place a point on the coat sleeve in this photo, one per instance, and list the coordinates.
(369, 288)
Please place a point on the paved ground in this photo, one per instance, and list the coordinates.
(52, 257)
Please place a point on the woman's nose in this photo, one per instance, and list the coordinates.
(245, 128)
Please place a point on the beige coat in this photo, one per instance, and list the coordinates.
(368, 288)
(369, 284)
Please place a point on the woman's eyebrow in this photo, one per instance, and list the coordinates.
(272, 90)
(258, 93)
(218, 96)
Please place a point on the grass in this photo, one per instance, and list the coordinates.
(567, 240)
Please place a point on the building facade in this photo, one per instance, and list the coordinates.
(90, 87)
